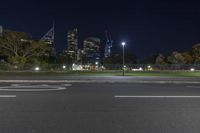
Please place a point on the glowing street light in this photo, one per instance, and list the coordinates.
(123, 44)
(64, 67)
(140, 69)
(37, 68)
(192, 69)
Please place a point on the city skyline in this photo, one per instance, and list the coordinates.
(158, 25)
(99, 66)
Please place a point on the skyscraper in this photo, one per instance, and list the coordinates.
(108, 45)
(49, 39)
(72, 42)
(92, 49)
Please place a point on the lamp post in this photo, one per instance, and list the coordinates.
(123, 44)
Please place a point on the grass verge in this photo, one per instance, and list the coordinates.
(104, 73)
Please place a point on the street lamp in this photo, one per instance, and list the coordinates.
(64, 67)
(37, 68)
(123, 44)
(192, 69)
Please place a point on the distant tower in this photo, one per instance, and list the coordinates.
(1, 30)
(108, 46)
(49, 38)
(72, 40)
(92, 49)
(72, 44)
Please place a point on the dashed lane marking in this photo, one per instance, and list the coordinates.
(8, 96)
(193, 86)
(157, 96)
(42, 87)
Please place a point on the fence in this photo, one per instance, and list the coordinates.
(140, 67)
(129, 67)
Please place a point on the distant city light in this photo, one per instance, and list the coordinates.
(64, 67)
(37, 68)
(149, 68)
(137, 69)
(77, 67)
(192, 69)
(96, 63)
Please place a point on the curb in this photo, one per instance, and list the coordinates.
(99, 81)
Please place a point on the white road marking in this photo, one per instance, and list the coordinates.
(14, 85)
(32, 88)
(8, 96)
(67, 85)
(44, 85)
(193, 86)
(157, 96)
(47, 81)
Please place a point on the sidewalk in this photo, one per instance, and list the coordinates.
(100, 79)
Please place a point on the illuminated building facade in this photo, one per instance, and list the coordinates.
(91, 48)
(72, 44)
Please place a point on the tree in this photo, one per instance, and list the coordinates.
(148, 60)
(160, 59)
(114, 59)
(64, 58)
(176, 58)
(19, 48)
(117, 59)
(188, 57)
(196, 53)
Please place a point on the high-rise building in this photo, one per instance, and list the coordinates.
(108, 45)
(49, 39)
(1, 30)
(92, 49)
(72, 42)
(79, 56)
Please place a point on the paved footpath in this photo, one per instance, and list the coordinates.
(99, 79)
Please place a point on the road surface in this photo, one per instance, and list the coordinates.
(101, 108)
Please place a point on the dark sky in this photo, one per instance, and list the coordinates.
(148, 26)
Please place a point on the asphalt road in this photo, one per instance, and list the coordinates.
(102, 108)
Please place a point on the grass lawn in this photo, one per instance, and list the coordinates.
(105, 73)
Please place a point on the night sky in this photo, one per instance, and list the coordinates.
(148, 26)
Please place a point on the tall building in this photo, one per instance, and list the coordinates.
(1, 30)
(72, 42)
(49, 39)
(79, 56)
(91, 49)
(108, 45)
